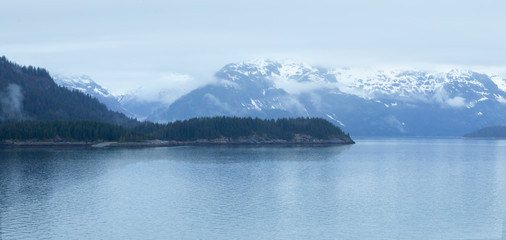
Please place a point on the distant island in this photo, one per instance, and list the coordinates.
(196, 131)
(488, 132)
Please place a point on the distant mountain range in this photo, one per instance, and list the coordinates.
(130, 104)
(414, 103)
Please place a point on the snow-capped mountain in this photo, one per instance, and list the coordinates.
(455, 87)
(242, 90)
(138, 107)
(86, 85)
(83, 84)
(362, 102)
(138, 103)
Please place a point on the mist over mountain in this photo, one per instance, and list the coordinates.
(138, 103)
(363, 102)
(29, 93)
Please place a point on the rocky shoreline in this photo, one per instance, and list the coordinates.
(253, 140)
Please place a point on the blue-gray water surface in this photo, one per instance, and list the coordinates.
(375, 189)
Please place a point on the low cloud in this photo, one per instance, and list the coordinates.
(456, 102)
(394, 122)
(291, 103)
(214, 100)
(11, 101)
(442, 97)
(167, 88)
(293, 86)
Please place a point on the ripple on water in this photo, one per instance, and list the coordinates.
(389, 189)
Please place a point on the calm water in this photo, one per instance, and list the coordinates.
(376, 189)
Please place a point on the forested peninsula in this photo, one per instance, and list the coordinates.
(196, 131)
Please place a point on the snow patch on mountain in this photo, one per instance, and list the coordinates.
(333, 117)
(83, 84)
(255, 105)
(500, 82)
(500, 99)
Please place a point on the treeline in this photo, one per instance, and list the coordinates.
(235, 127)
(61, 130)
(187, 130)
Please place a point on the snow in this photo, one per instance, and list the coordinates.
(102, 92)
(340, 123)
(83, 84)
(80, 89)
(445, 88)
(370, 83)
(459, 74)
(482, 99)
(500, 82)
(288, 70)
(415, 85)
(253, 102)
(500, 99)
(259, 66)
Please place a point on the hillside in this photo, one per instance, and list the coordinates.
(29, 93)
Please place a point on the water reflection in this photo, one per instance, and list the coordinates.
(398, 188)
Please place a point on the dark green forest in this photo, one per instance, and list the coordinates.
(29, 93)
(234, 127)
(61, 131)
(188, 130)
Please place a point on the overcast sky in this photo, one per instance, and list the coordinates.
(123, 44)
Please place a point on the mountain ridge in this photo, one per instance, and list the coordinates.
(377, 102)
(381, 103)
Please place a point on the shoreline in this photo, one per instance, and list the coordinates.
(172, 143)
